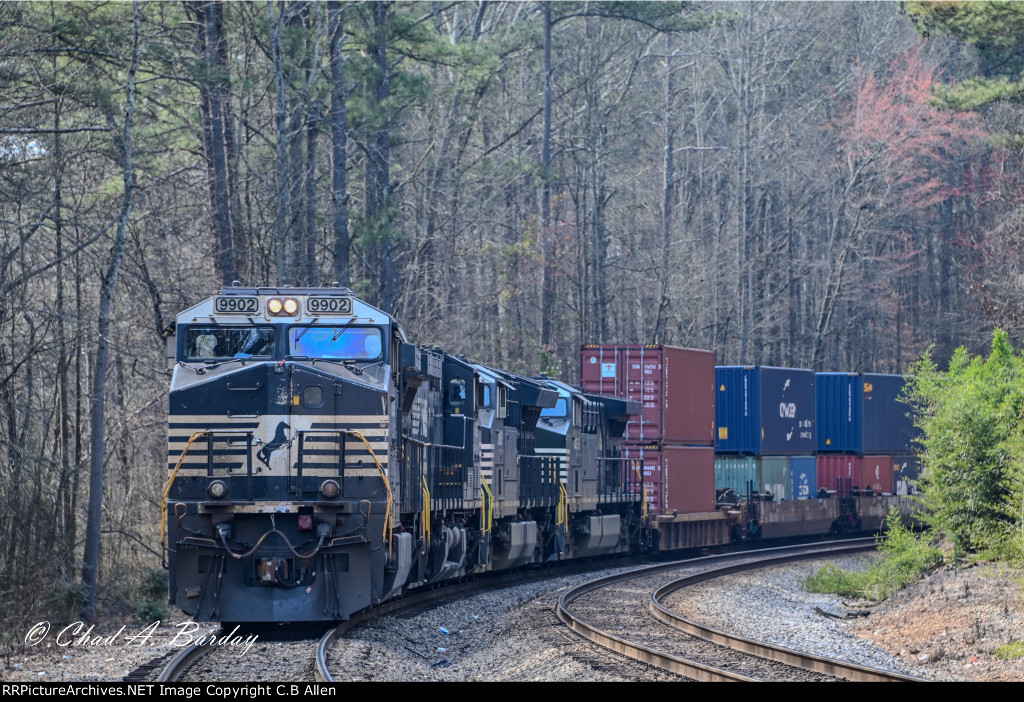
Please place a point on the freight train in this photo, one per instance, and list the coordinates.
(321, 463)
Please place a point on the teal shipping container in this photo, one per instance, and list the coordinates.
(775, 477)
(737, 472)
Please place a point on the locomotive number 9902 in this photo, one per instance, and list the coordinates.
(329, 305)
(236, 305)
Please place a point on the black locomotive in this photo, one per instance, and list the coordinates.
(320, 463)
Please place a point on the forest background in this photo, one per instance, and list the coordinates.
(789, 184)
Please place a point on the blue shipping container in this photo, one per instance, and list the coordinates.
(761, 410)
(839, 412)
(803, 474)
(861, 413)
(888, 424)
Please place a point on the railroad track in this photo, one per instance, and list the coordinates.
(307, 666)
(179, 664)
(607, 612)
(281, 655)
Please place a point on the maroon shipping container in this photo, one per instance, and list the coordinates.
(876, 474)
(677, 479)
(675, 385)
(833, 468)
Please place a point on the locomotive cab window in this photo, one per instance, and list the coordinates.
(502, 402)
(457, 392)
(343, 342)
(484, 395)
(558, 411)
(213, 342)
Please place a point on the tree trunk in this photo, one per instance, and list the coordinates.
(547, 303)
(339, 145)
(282, 187)
(668, 193)
(216, 129)
(378, 200)
(91, 561)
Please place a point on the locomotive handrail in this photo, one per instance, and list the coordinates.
(177, 467)
(387, 485)
(167, 492)
(301, 434)
(563, 505)
(426, 513)
(643, 488)
(488, 506)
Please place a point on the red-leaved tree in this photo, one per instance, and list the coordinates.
(901, 171)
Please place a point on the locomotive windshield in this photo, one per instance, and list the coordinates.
(559, 410)
(347, 342)
(218, 342)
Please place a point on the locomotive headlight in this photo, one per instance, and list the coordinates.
(288, 306)
(217, 489)
(330, 489)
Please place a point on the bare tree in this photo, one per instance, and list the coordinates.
(91, 559)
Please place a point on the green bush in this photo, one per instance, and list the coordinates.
(66, 598)
(972, 420)
(831, 578)
(152, 610)
(1010, 650)
(904, 558)
(152, 605)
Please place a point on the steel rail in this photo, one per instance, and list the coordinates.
(700, 672)
(807, 661)
(185, 659)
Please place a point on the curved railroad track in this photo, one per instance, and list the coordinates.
(286, 656)
(180, 663)
(609, 611)
(308, 660)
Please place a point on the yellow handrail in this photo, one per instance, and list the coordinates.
(386, 535)
(488, 512)
(387, 486)
(167, 489)
(643, 488)
(563, 505)
(426, 513)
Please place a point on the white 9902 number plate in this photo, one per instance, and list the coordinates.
(236, 305)
(329, 305)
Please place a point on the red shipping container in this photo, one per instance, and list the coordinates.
(833, 468)
(876, 474)
(677, 479)
(675, 385)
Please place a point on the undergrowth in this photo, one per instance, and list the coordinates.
(1014, 649)
(904, 558)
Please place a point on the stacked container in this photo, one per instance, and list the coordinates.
(803, 475)
(674, 438)
(765, 418)
(864, 473)
(906, 472)
(861, 426)
(860, 413)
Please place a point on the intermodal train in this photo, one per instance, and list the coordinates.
(320, 463)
